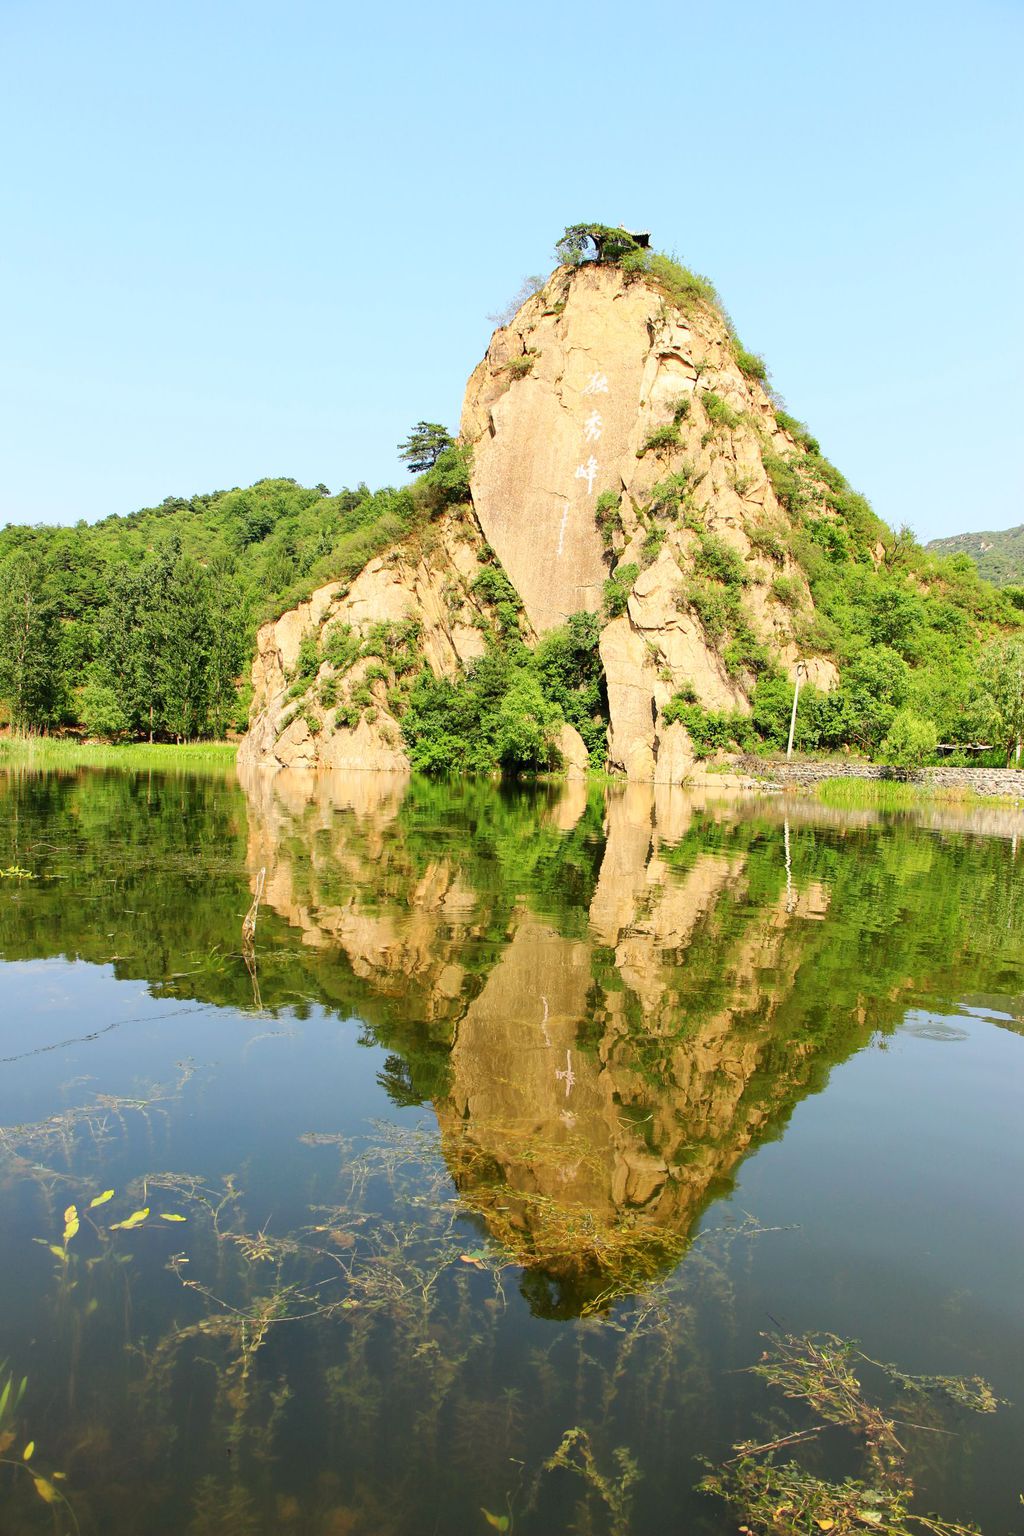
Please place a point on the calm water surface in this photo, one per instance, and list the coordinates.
(528, 1110)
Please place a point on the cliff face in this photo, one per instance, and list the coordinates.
(600, 386)
(425, 580)
(613, 434)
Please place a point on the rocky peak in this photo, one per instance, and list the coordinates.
(614, 431)
(625, 462)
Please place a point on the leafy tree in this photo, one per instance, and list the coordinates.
(170, 647)
(446, 482)
(32, 683)
(895, 617)
(1002, 672)
(910, 742)
(127, 643)
(568, 663)
(101, 712)
(424, 446)
(525, 724)
(771, 709)
(495, 716)
(227, 652)
(184, 646)
(594, 242)
(873, 688)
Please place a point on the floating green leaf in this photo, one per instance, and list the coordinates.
(134, 1220)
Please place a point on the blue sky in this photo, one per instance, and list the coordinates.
(261, 239)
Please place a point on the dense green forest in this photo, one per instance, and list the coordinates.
(143, 626)
(927, 651)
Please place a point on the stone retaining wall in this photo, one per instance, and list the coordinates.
(981, 781)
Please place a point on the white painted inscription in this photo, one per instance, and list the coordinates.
(588, 472)
(597, 384)
(592, 427)
(568, 1077)
(561, 530)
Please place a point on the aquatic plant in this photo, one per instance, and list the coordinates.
(12, 1392)
(824, 1371)
(614, 1488)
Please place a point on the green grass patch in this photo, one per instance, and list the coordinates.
(751, 364)
(661, 440)
(63, 752)
(680, 286)
(899, 795)
(720, 413)
(872, 794)
(617, 589)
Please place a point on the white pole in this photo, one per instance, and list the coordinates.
(792, 718)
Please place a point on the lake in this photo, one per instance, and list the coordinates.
(465, 1192)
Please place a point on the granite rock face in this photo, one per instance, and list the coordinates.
(600, 387)
(613, 435)
(425, 581)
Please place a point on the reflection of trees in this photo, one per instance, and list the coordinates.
(627, 993)
(608, 997)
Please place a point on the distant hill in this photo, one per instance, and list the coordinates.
(998, 556)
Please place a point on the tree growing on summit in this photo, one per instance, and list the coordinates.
(595, 242)
(424, 446)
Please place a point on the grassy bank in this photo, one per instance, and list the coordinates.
(60, 752)
(894, 795)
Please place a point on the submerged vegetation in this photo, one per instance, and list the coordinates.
(824, 1372)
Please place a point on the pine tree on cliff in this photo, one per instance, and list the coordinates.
(424, 446)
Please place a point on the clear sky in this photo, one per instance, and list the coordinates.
(248, 239)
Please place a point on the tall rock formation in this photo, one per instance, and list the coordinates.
(603, 390)
(622, 465)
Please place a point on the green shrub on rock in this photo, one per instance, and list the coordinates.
(617, 589)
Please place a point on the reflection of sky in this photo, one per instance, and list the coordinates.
(258, 1085)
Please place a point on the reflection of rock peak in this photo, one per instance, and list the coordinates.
(618, 987)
